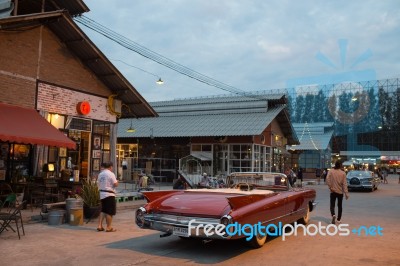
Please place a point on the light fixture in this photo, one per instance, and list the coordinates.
(130, 129)
(160, 81)
(48, 167)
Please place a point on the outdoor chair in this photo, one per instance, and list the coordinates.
(5, 190)
(37, 195)
(13, 216)
(8, 203)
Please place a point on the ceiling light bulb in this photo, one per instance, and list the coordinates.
(160, 81)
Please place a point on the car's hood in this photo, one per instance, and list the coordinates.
(207, 203)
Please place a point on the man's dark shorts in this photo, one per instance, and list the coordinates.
(109, 206)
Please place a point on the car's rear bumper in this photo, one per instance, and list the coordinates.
(184, 226)
(183, 231)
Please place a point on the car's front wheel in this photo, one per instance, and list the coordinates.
(306, 218)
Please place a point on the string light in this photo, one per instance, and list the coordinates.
(159, 81)
(306, 128)
(156, 57)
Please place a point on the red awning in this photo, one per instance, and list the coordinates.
(22, 125)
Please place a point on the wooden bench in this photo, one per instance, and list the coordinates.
(46, 207)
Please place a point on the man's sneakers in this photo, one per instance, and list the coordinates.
(333, 219)
(338, 222)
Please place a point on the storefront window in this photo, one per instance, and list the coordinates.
(4, 148)
(15, 162)
(101, 146)
(241, 158)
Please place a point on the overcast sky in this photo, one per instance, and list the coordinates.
(251, 45)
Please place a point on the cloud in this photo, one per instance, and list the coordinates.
(275, 51)
(250, 45)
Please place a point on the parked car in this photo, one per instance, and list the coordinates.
(361, 179)
(249, 198)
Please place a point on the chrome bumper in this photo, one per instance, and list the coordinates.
(183, 226)
(360, 186)
(183, 231)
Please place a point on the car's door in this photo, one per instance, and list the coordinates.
(275, 211)
(294, 206)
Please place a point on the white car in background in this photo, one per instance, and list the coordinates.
(361, 179)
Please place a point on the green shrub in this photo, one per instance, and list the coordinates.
(90, 193)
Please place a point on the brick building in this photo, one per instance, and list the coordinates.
(48, 64)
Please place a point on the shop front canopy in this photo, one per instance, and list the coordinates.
(27, 126)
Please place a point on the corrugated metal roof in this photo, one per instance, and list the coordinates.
(312, 141)
(245, 97)
(203, 156)
(314, 125)
(217, 105)
(223, 115)
(134, 105)
(242, 124)
(74, 7)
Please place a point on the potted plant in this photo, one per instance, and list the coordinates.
(90, 195)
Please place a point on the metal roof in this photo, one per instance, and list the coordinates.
(312, 136)
(134, 105)
(74, 7)
(202, 156)
(213, 116)
(229, 98)
(217, 105)
(199, 125)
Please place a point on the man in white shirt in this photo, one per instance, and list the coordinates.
(107, 183)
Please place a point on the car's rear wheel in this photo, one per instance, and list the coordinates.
(306, 218)
(258, 241)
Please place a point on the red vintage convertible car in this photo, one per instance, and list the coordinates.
(262, 199)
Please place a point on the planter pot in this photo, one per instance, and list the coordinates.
(91, 212)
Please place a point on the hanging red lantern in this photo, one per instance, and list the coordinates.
(83, 108)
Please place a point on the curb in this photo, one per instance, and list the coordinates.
(121, 206)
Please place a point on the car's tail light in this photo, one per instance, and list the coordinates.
(226, 220)
(140, 216)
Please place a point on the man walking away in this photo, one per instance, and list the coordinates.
(300, 176)
(337, 184)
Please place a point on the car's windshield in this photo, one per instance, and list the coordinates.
(275, 181)
(358, 174)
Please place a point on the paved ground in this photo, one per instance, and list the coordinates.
(83, 245)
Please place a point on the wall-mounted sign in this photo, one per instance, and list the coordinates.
(83, 108)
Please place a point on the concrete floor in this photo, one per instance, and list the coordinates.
(129, 245)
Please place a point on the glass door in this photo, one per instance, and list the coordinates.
(221, 159)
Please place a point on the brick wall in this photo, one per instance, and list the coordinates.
(55, 99)
(22, 62)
